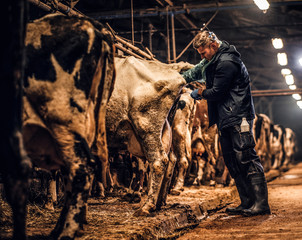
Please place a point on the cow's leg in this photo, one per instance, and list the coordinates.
(158, 160)
(73, 215)
(275, 163)
(51, 191)
(77, 178)
(166, 181)
(201, 167)
(142, 171)
(182, 170)
(225, 176)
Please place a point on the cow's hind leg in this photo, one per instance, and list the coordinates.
(77, 179)
(158, 161)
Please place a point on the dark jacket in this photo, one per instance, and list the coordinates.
(228, 90)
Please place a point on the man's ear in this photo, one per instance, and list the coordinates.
(215, 46)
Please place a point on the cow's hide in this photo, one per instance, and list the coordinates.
(289, 147)
(69, 77)
(262, 133)
(137, 112)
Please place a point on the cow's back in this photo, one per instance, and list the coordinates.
(143, 89)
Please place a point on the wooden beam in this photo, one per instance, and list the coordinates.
(275, 92)
(201, 7)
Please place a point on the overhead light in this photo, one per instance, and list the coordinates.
(300, 61)
(297, 96)
(282, 59)
(277, 43)
(289, 79)
(286, 71)
(299, 103)
(262, 4)
(292, 87)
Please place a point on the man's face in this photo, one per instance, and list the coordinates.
(207, 51)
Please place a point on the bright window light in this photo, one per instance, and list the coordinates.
(299, 103)
(262, 4)
(292, 87)
(289, 79)
(300, 61)
(297, 96)
(282, 59)
(286, 71)
(277, 43)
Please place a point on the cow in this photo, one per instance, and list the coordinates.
(195, 145)
(15, 166)
(262, 133)
(289, 147)
(182, 127)
(136, 119)
(69, 76)
(276, 145)
(208, 136)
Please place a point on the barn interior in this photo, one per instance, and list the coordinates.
(166, 27)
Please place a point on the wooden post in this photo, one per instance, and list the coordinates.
(173, 38)
(168, 37)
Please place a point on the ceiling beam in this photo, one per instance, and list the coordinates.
(208, 7)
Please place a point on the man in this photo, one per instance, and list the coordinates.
(230, 106)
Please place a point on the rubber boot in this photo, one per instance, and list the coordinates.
(245, 194)
(260, 207)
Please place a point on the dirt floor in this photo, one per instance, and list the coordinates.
(197, 213)
(285, 222)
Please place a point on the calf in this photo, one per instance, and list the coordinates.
(68, 81)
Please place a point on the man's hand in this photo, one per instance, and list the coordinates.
(197, 93)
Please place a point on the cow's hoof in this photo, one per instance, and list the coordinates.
(49, 206)
(212, 183)
(141, 212)
(80, 233)
(136, 197)
(127, 197)
(175, 192)
(145, 210)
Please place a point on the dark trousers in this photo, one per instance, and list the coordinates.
(239, 151)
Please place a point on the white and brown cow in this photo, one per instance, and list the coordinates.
(136, 118)
(69, 79)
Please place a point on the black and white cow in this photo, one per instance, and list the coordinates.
(69, 78)
(277, 145)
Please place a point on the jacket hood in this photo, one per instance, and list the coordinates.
(225, 47)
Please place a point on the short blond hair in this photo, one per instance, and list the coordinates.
(203, 38)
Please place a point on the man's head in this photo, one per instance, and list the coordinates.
(207, 44)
